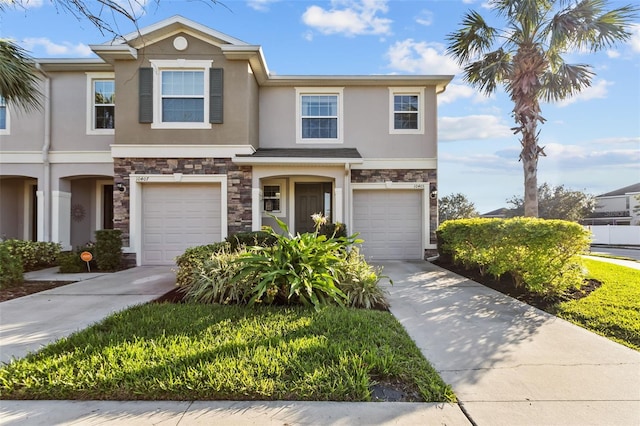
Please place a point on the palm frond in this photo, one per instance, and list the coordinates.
(473, 39)
(18, 77)
(494, 68)
(565, 82)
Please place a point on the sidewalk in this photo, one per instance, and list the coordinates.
(509, 363)
(30, 322)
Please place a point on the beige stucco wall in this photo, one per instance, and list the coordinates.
(26, 130)
(365, 123)
(240, 92)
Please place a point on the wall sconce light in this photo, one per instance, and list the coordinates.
(120, 186)
(433, 191)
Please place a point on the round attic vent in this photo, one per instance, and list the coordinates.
(180, 43)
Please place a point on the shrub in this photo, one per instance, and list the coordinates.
(542, 255)
(305, 268)
(360, 282)
(33, 255)
(251, 238)
(10, 268)
(108, 250)
(213, 281)
(193, 258)
(70, 262)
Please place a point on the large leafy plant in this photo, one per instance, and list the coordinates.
(302, 268)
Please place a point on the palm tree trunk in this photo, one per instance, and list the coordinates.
(529, 65)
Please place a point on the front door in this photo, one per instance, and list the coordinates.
(311, 198)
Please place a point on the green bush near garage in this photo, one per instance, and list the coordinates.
(108, 251)
(542, 255)
(190, 262)
(71, 263)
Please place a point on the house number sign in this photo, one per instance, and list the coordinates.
(142, 178)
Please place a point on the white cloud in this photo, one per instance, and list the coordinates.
(349, 17)
(613, 54)
(634, 41)
(618, 141)
(421, 58)
(472, 127)
(425, 18)
(260, 5)
(460, 91)
(56, 49)
(598, 90)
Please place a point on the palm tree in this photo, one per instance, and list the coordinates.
(526, 57)
(18, 77)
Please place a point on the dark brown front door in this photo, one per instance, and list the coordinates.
(311, 198)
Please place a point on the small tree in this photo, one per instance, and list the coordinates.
(557, 202)
(456, 206)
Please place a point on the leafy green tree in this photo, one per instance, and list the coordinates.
(526, 57)
(456, 206)
(557, 202)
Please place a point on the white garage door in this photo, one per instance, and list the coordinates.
(178, 216)
(389, 222)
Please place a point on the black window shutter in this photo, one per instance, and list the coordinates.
(145, 93)
(215, 95)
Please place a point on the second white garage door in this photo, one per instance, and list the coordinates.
(176, 217)
(389, 222)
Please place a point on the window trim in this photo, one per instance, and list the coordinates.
(160, 65)
(283, 197)
(7, 120)
(399, 91)
(312, 91)
(91, 78)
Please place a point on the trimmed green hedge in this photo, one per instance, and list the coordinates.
(33, 255)
(10, 268)
(542, 255)
(109, 249)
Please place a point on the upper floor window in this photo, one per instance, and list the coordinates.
(4, 117)
(319, 115)
(406, 110)
(101, 92)
(181, 94)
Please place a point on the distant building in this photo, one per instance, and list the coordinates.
(498, 213)
(617, 207)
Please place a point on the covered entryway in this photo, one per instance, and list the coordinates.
(176, 216)
(390, 221)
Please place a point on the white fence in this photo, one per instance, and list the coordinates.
(615, 234)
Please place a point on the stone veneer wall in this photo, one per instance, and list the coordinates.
(404, 175)
(238, 186)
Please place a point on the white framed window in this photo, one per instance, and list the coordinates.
(319, 115)
(180, 94)
(273, 197)
(4, 117)
(406, 110)
(101, 91)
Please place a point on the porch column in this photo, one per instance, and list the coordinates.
(256, 220)
(339, 208)
(61, 218)
(40, 220)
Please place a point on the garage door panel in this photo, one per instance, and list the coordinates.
(176, 217)
(389, 222)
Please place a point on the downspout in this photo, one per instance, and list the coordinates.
(46, 147)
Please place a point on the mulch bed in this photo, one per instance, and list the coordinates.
(505, 285)
(29, 287)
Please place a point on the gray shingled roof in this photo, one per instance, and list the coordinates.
(631, 188)
(305, 153)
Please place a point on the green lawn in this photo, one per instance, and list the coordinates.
(213, 352)
(613, 310)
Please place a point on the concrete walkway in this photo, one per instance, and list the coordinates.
(507, 362)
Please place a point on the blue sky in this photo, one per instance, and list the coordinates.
(592, 140)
